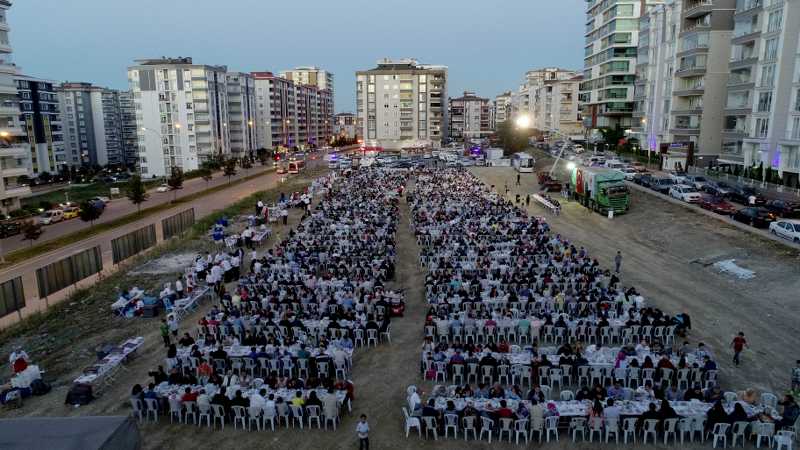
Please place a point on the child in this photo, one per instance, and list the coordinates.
(362, 429)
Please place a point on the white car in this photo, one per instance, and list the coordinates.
(163, 188)
(629, 173)
(697, 181)
(787, 229)
(100, 198)
(685, 193)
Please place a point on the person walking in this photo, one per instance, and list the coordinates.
(738, 344)
(618, 261)
(362, 430)
(528, 200)
(518, 177)
(165, 332)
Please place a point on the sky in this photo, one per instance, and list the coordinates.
(488, 45)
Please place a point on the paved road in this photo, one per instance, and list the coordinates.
(122, 206)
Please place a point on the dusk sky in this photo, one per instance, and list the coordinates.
(487, 45)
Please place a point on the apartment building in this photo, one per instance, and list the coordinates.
(344, 125)
(502, 107)
(93, 125)
(181, 114)
(470, 117)
(242, 114)
(401, 104)
(655, 70)
(612, 38)
(552, 101)
(39, 113)
(291, 115)
(130, 132)
(762, 115)
(310, 75)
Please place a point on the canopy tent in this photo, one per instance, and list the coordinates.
(70, 433)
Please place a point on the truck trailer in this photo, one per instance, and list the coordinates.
(600, 189)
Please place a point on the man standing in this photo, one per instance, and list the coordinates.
(738, 344)
(362, 430)
(618, 261)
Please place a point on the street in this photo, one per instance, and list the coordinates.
(121, 206)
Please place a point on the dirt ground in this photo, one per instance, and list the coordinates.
(667, 252)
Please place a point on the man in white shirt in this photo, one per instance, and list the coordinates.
(611, 410)
(257, 400)
(269, 405)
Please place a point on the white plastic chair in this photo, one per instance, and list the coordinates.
(239, 416)
(567, 396)
(219, 415)
(738, 430)
(764, 430)
(612, 427)
(720, 433)
(254, 415)
(578, 425)
(204, 412)
(269, 415)
(506, 427)
(190, 409)
(372, 337)
(784, 440)
(670, 429)
(297, 415)
(451, 423)
(487, 426)
(138, 408)
(769, 400)
(521, 428)
(175, 410)
(686, 425)
(649, 429)
(430, 427)
(313, 415)
(468, 427)
(551, 426)
(629, 428)
(730, 397)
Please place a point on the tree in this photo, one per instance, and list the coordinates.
(612, 136)
(230, 169)
(23, 180)
(205, 174)
(511, 138)
(31, 231)
(45, 177)
(175, 181)
(137, 193)
(89, 212)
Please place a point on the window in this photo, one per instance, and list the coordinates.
(775, 19)
(795, 128)
(768, 75)
(771, 49)
(762, 127)
(797, 101)
(765, 102)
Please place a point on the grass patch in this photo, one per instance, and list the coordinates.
(20, 255)
(77, 194)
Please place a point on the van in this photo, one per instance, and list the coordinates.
(52, 216)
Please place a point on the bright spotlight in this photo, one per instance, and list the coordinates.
(523, 122)
(570, 165)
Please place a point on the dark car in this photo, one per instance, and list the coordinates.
(718, 189)
(644, 179)
(98, 204)
(755, 217)
(717, 205)
(742, 194)
(9, 229)
(662, 185)
(782, 208)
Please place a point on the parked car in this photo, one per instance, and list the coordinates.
(678, 177)
(630, 173)
(783, 208)
(639, 167)
(98, 204)
(718, 189)
(717, 204)
(101, 199)
(645, 180)
(685, 193)
(698, 181)
(787, 229)
(662, 185)
(52, 216)
(754, 216)
(71, 212)
(742, 194)
(163, 188)
(9, 229)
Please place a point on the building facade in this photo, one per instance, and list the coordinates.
(551, 101)
(93, 125)
(181, 114)
(242, 114)
(310, 75)
(344, 125)
(402, 104)
(470, 118)
(612, 38)
(291, 115)
(14, 150)
(39, 114)
(130, 133)
(502, 108)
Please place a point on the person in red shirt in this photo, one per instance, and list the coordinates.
(189, 396)
(504, 412)
(738, 344)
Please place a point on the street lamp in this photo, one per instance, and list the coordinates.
(523, 121)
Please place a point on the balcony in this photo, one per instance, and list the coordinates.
(748, 6)
(741, 63)
(698, 8)
(14, 151)
(690, 71)
(734, 133)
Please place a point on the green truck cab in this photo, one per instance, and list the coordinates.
(600, 189)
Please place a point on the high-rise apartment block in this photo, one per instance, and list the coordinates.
(291, 114)
(313, 76)
(181, 114)
(242, 114)
(14, 150)
(402, 104)
(344, 125)
(612, 36)
(502, 107)
(470, 117)
(130, 131)
(39, 113)
(552, 101)
(93, 125)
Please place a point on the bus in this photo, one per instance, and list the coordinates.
(523, 162)
(296, 167)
